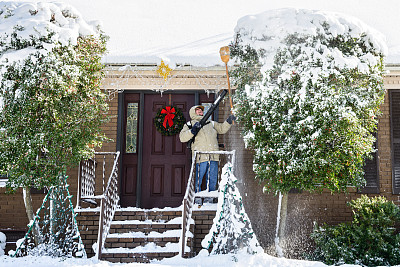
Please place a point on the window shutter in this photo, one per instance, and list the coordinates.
(395, 138)
(371, 173)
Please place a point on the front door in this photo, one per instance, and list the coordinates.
(166, 161)
(156, 176)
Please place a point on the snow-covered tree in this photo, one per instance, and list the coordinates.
(51, 106)
(57, 233)
(231, 231)
(309, 91)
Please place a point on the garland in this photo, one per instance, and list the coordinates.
(169, 120)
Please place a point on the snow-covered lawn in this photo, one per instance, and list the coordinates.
(237, 260)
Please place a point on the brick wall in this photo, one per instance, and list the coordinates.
(203, 222)
(88, 227)
(13, 215)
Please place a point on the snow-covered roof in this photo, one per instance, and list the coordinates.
(181, 31)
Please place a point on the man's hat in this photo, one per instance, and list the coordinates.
(200, 107)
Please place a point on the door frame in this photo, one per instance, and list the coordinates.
(120, 128)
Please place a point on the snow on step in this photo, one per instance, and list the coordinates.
(177, 220)
(169, 233)
(148, 248)
(132, 239)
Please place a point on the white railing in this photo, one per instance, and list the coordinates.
(188, 199)
(108, 195)
(86, 180)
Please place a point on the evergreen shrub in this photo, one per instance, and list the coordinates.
(371, 239)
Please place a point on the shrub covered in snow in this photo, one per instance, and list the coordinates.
(370, 240)
(51, 106)
(309, 89)
(54, 232)
(231, 231)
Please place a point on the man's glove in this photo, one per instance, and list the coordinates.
(195, 128)
(231, 118)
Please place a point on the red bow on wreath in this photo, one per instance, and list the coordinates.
(168, 111)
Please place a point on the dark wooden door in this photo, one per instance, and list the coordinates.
(166, 161)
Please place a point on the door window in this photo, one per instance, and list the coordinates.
(131, 128)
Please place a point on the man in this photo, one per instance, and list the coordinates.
(205, 140)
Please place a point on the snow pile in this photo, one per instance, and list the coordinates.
(227, 260)
(2, 243)
(268, 31)
(28, 23)
(394, 55)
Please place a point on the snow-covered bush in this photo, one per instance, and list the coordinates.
(309, 90)
(370, 240)
(231, 231)
(51, 104)
(2, 243)
(55, 227)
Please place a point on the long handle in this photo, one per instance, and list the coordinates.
(225, 53)
(229, 89)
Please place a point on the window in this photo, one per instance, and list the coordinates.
(131, 127)
(394, 97)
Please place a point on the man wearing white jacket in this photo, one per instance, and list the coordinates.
(205, 140)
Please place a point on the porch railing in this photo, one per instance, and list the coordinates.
(106, 193)
(188, 199)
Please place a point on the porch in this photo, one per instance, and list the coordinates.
(131, 234)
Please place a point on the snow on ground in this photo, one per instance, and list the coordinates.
(2, 243)
(237, 260)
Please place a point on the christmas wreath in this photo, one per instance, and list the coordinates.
(169, 120)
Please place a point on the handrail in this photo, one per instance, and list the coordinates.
(108, 196)
(108, 206)
(187, 204)
(86, 179)
(188, 199)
